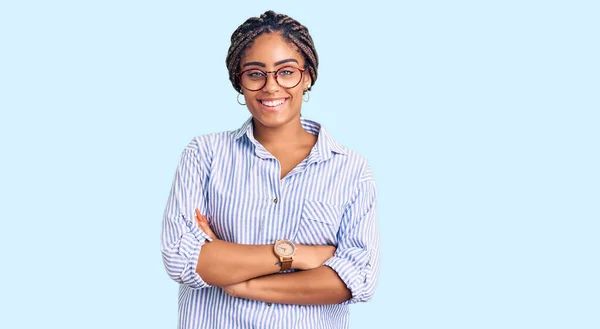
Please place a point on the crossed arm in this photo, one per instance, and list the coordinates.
(347, 273)
(249, 271)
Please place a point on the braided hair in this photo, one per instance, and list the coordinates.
(290, 29)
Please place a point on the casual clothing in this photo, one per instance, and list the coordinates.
(329, 198)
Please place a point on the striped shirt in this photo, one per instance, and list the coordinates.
(327, 199)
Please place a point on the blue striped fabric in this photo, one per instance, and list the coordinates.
(329, 198)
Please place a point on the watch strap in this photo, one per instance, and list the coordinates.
(286, 263)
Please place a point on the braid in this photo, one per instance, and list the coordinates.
(290, 29)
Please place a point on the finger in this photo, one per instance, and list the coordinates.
(200, 217)
(203, 224)
(207, 230)
(204, 228)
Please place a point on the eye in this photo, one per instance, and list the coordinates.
(287, 71)
(255, 74)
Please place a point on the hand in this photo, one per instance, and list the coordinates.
(203, 224)
(236, 290)
(309, 257)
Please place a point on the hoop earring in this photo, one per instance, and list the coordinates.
(238, 99)
(306, 92)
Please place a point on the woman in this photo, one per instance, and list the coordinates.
(272, 225)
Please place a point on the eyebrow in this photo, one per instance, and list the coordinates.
(288, 60)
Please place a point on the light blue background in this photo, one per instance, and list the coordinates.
(479, 118)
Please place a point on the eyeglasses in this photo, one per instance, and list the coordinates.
(255, 79)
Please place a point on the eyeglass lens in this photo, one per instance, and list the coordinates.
(254, 79)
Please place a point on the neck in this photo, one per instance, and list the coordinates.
(289, 133)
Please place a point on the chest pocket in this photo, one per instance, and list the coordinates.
(319, 223)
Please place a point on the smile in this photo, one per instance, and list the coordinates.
(273, 104)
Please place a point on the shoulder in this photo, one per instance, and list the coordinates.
(201, 149)
(355, 166)
(205, 144)
(359, 164)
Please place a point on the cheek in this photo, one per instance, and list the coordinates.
(249, 97)
(297, 93)
(251, 103)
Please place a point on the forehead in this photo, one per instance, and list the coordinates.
(269, 48)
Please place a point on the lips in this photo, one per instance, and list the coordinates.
(273, 104)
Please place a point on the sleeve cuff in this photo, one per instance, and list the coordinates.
(191, 243)
(353, 277)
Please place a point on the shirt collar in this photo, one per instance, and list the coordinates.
(323, 150)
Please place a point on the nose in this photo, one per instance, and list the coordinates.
(271, 85)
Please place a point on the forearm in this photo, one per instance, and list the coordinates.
(223, 263)
(317, 286)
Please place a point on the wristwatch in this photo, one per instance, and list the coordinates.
(285, 250)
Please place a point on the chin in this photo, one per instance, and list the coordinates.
(272, 122)
(273, 119)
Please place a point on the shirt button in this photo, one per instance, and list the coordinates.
(275, 200)
(189, 224)
(269, 304)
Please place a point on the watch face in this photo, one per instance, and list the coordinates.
(284, 248)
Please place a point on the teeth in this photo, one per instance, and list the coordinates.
(273, 103)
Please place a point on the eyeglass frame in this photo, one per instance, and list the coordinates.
(239, 76)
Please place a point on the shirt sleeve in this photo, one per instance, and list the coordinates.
(356, 260)
(181, 238)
